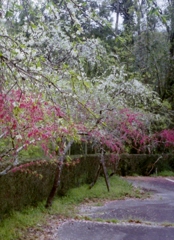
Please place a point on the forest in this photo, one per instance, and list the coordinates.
(74, 71)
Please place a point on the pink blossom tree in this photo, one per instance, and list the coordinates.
(27, 119)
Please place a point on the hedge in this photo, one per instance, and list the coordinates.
(144, 164)
(31, 184)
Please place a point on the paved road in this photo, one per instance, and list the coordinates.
(149, 219)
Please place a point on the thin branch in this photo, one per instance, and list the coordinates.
(3, 134)
(15, 162)
(154, 165)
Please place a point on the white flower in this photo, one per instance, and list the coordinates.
(20, 56)
(18, 136)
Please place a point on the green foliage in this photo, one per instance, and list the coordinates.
(32, 153)
(166, 173)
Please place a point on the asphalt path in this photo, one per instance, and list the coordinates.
(138, 219)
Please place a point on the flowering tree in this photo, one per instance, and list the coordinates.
(27, 119)
(165, 140)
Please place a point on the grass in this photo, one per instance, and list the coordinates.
(14, 226)
(119, 189)
(164, 173)
(115, 221)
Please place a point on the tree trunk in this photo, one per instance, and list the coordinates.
(103, 167)
(57, 177)
(117, 17)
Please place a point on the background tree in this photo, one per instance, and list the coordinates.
(169, 93)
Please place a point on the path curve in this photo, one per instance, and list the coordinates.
(138, 219)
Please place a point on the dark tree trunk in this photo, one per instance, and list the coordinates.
(55, 186)
(57, 177)
(101, 167)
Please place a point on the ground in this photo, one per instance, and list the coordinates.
(133, 219)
